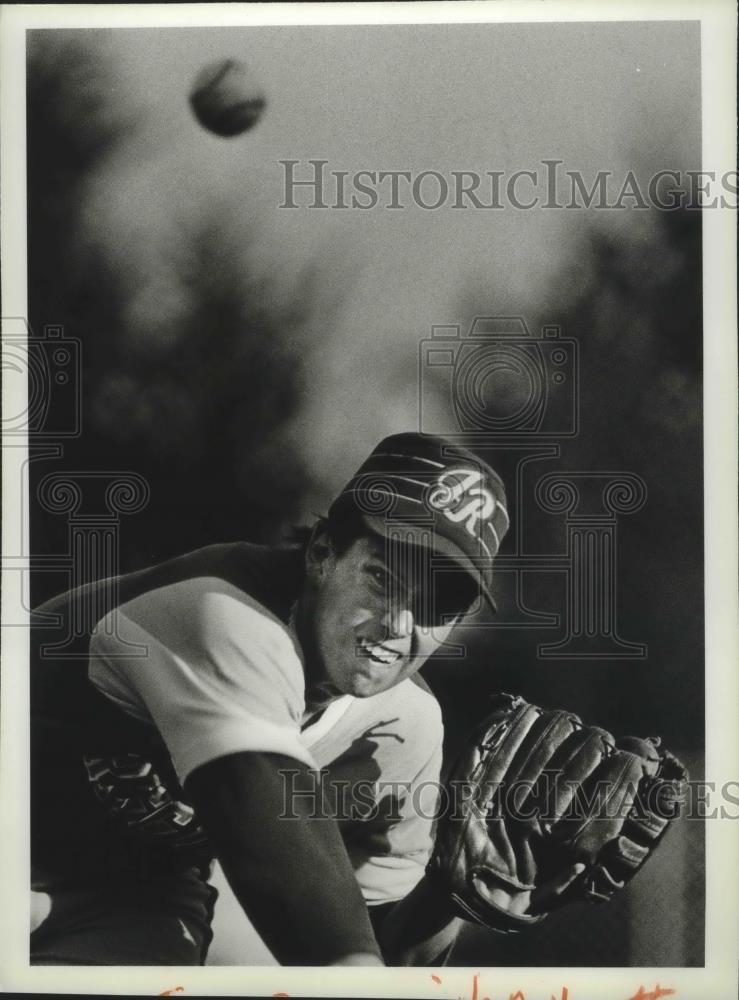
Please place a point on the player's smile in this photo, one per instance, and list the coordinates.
(378, 652)
(378, 661)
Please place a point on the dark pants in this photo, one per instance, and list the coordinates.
(163, 923)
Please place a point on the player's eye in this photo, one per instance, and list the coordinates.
(379, 576)
(386, 585)
(449, 597)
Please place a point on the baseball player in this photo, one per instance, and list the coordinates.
(262, 706)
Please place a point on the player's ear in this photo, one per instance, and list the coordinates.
(319, 551)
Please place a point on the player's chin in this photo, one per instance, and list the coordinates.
(374, 679)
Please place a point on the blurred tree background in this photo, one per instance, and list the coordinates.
(245, 386)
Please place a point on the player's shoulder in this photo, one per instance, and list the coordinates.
(216, 590)
(207, 639)
(419, 711)
(419, 692)
(210, 613)
(268, 573)
(427, 707)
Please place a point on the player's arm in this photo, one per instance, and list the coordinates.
(421, 929)
(223, 685)
(292, 876)
(418, 930)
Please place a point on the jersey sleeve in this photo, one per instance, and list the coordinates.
(214, 671)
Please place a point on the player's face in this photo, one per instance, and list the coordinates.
(363, 623)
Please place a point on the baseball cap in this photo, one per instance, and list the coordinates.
(431, 492)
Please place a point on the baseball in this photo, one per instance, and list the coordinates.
(226, 99)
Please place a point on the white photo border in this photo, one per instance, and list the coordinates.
(719, 977)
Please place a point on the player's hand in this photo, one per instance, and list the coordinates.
(361, 958)
(540, 900)
(40, 908)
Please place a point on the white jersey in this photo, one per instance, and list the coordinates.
(218, 673)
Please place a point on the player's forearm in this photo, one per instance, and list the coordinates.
(292, 876)
(420, 929)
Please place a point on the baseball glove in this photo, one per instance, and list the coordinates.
(543, 810)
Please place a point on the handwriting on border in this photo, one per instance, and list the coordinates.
(641, 994)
